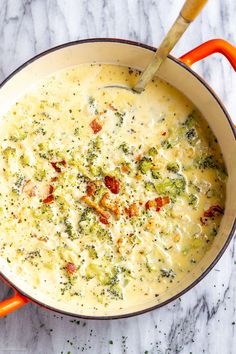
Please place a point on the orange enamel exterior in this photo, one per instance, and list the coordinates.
(198, 53)
(208, 48)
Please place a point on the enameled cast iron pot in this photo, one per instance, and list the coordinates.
(178, 73)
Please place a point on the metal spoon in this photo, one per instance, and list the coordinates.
(189, 12)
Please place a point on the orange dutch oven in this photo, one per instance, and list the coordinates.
(179, 74)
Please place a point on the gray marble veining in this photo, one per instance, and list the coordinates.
(203, 320)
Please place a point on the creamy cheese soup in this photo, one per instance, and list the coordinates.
(108, 198)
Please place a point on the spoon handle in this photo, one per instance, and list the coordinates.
(191, 9)
(188, 13)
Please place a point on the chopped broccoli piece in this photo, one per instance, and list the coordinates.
(192, 199)
(149, 186)
(95, 170)
(87, 215)
(77, 131)
(166, 144)
(191, 135)
(18, 184)
(152, 152)
(191, 119)
(92, 251)
(167, 273)
(69, 230)
(104, 235)
(124, 148)
(40, 175)
(171, 186)
(145, 165)
(91, 100)
(9, 152)
(155, 174)
(173, 167)
(116, 292)
(207, 162)
(120, 116)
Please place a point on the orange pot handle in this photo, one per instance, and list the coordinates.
(208, 48)
(12, 304)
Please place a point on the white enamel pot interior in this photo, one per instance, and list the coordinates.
(137, 56)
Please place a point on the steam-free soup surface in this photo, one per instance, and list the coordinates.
(108, 198)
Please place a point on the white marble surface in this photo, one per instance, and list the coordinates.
(203, 320)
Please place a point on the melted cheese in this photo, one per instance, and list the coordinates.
(103, 192)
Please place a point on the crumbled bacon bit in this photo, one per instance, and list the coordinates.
(104, 220)
(51, 189)
(113, 184)
(49, 199)
(70, 267)
(54, 179)
(96, 126)
(159, 202)
(149, 204)
(163, 134)
(213, 211)
(165, 200)
(57, 168)
(132, 210)
(91, 188)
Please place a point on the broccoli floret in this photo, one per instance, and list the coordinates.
(104, 235)
(145, 165)
(124, 148)
(9, 152)
(91, 100)
(152, 152)
(86, 215)
(167, 273)
(192, 199)
(40, 175)
(171, 186)
(166, 144)
(92, 252)
(155, 174)
(120, 118)
(95, 170)
(18, 184)
(173, 167)
(69, 230)
(207, 162)
(116, 292)
(77, 131)
(149, 186)
(191, 119)
(191, 135)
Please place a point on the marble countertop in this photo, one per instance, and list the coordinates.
(204, 319)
